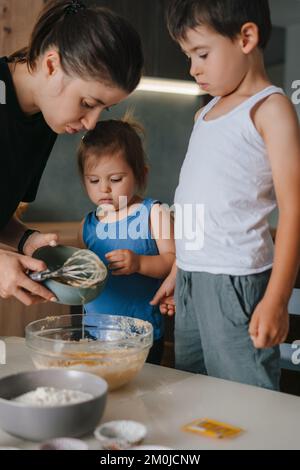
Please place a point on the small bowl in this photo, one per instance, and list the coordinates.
(64, 443)
(151, 447)
(110, 346)
(55, 257)
(39, 423)
(120, 435)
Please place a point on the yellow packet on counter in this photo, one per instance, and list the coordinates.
(211, 428)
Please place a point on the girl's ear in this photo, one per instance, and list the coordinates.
(51, 63)
(249, 37)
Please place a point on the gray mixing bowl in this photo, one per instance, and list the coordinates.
(38, 423)
(55, 257)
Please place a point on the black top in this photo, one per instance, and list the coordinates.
(25, 146)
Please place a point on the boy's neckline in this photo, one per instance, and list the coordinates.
(214, 101)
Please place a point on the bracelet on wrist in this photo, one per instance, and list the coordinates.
(24, 239)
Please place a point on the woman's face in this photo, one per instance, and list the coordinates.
(71, 104)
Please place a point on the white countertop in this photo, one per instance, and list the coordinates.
(165, 399)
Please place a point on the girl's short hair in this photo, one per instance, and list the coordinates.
(111, 137)
(225, 16)
(93, 43)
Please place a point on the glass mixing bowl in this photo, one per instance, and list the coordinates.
(112, 347)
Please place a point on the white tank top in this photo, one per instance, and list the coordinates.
(225, 195)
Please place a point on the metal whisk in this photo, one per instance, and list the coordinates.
(82, 269)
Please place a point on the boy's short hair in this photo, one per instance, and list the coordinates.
(225, 16)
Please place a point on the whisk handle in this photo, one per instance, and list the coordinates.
(41, 276)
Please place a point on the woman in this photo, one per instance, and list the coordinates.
(80, 61)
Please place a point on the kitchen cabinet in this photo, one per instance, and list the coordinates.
(163, 57)
(16, 20)
(14, 316)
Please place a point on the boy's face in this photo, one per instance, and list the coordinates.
(218, 64)
(107, 179)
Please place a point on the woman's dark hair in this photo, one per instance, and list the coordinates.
(115, 136)
(225, 16)
(93, 43)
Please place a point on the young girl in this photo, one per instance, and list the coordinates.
(126, 232)
(79, 61)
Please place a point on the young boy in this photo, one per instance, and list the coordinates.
(244, 157)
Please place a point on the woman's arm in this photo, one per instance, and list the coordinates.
(12, 233)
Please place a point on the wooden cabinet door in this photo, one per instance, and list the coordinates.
(14, 316)
(17, 18)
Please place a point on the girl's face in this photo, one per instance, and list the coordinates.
(71, 104)
(218, 64)
(107, 179)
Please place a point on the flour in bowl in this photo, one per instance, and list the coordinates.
(49, 396)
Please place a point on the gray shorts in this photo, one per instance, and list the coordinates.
(211, 328)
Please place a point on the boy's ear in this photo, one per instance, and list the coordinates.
(249, 37)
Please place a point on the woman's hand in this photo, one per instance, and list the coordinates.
(38, 240)
(15, 283)
(165, 296)
(123, 262)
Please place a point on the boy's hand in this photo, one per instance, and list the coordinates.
(167, 306)
(38, 240)
(269, 324)
(123, 262)
(165, 296)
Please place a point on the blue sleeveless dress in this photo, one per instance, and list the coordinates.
(127, 295)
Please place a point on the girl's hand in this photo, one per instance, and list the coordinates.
(165, 296)
(38, 240)
(15, 282)
(123, 262)
(269, 324)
